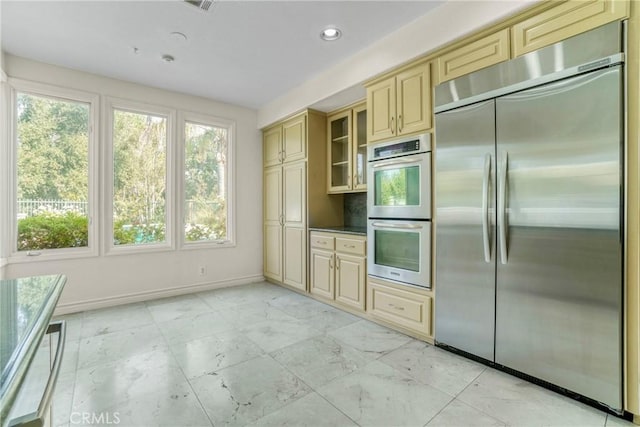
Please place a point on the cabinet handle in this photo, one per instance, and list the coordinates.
(281, 220)
(349, 182)
(330, 263)
(395, 307)
(320, 242)
(357, 180)
(400, 123)
(337, 263)
(349, 246)
(284, 155)
(393, 130)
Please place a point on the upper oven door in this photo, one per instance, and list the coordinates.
(400, 187)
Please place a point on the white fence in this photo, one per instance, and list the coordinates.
(28, 208)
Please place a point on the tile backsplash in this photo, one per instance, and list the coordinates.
(355, 209)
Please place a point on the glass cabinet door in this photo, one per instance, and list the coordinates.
(360, 147)
(339, 152)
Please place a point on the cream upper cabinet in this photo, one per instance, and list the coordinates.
(294, 139)
(338, 268)
(286, 142)
(563, 21)
(272, 146)
(400, 104)
(347, 150)
(474, 56)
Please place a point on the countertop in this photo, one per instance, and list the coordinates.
(342, 229)
(26, 307)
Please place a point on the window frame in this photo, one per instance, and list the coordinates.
(111, 104)
(16, 86)
(230, 179)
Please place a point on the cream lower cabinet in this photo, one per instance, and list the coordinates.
(285, 224)
(338, 265)
(403, 307)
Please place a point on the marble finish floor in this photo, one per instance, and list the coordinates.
(261, 355)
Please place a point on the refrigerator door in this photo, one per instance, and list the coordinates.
(465, 228)
(559, 266)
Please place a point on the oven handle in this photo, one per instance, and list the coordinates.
(396, 225)
(401, 161)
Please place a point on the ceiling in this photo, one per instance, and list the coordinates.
(246, 53)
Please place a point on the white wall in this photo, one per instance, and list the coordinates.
(444, 24)
(114, 279)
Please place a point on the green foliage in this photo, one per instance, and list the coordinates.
(50, 230)
(128, 234)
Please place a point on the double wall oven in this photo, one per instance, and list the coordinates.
(399, 210)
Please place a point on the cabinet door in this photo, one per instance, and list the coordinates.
(272, 146)
(482, 53)
(563, 21)
(359, 143)
(272, 224)
(295, 257)
(295, 195)
(321, 274)
(350, 280)
(413, 88)
(273, 251)
(381, 110)
(339, 152)
(294, 139)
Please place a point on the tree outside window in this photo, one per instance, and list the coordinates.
(205, 182)
(139, 178)
(52, 160)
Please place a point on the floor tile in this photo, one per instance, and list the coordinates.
(321, 359)
(165, 309)
(613, 421)
(299, 306)
(191, 327)
(327, 321)
(379, 395)
(143, 390)
(369, 337)
(459, 414)
(249, 314)
(210, 354)
(119, 345)
(231, 297)
(521, 403)
(113, 319)
(308, 411)
(74, 325)
(430, 365)
(248, 391)
(63, 398)
(272, 335)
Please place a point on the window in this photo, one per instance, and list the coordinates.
(53, 190)
(206, 181)
(140, 190)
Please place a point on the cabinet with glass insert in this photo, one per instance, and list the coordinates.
(347, 150)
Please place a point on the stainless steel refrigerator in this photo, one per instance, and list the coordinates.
(529, 225)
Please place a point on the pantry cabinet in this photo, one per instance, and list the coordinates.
(347, 150)
(338, 268)
(399, 104)
(294, 195)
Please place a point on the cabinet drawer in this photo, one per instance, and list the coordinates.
(401, 307)
(563, 21)
(322, 242)
(351, 246)
(482, 53)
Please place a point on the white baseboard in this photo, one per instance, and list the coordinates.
(75, 307)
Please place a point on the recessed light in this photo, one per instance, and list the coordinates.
(168, 58)
(178, 36)
(330, 34)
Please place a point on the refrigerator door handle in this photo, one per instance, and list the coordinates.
(485, 208)
(502, 208)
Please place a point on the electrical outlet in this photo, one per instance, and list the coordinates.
(202, 271)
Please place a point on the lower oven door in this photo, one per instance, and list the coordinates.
(400, 251)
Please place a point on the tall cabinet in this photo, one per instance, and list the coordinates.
(294, 195)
